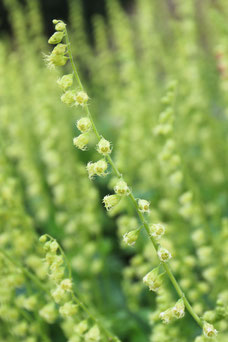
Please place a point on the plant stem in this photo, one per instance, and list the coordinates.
(107, 333)
(166, 266)
(78, 301)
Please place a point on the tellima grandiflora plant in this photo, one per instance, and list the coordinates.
(114, 174)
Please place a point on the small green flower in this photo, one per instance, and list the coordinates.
(56, 38)
(121, 188)
(131, 237)
(84, 124)
(81, 141)
(110, 201)
(68, 97)
(81, 98)
(144, 206)
(164, 255)
(209, 330)
(179, 309)
(104, 147)
(60, 26)
(153, 280)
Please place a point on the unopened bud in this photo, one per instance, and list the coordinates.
(56, 38)
(81, 142)
(65, 82)
(131, 237)
(110, 201)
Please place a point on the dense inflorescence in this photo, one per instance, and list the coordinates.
(152, 122)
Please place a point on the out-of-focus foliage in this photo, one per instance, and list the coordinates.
(177, 161)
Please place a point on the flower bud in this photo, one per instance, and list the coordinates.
(56, 38)
(110, 201)
(81, 327)
(185, 198)
(68, 97)
(84, 125)
(81, 98)
(48, 313)
(46, 246)
(103, 147)
(210, 316)
(55, 21)
(60, 49)
(166, 316)
(68, 309)
(179, 309)
(93, 334)
(43, 238)
(157, 230)
(60, 26)
(153, 280)
(58, 295)
(66, 285)
(57, 273)
(131, 237)
(54, 60)
(176, 178)
(100, 167)
(65, 82)
(121, 188)
(81, 142)
(144, 206)
(54, 246)
(91, 170)
(163, 254)
(209, 330)
(199, 339)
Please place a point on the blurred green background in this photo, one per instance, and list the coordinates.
(127, 54)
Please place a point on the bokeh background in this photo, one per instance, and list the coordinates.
(172, 149)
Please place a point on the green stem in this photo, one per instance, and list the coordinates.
(134, 201)
(78, 301)
(109, 335)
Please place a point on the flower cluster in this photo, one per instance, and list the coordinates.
(173, 152)
(62, 293)
(176, 312)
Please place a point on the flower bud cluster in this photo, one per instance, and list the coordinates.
(57, 56)
(187, 208)
(97, 169)
(165, 125)
(62, 293)
(169, 158)
(176, 312)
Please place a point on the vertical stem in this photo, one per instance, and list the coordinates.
(134, 201)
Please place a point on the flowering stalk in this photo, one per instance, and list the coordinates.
(165, 265)
(75, 297)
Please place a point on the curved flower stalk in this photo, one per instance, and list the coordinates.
(110, 201)
(65, 295)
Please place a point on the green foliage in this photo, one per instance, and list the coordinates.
(157, 81)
